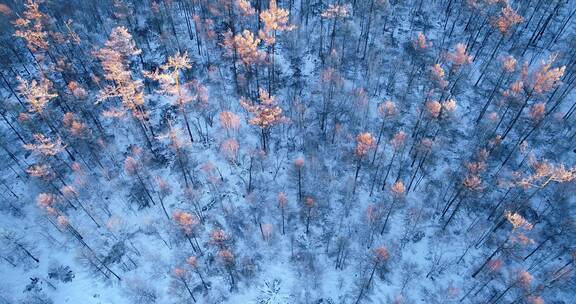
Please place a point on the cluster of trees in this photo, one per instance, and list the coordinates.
(197, 142)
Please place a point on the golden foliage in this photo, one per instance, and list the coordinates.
(31, 27)
(69, 191)
(535, 300)
(282, 199)
(507, 18)
(41, 171)
(537, 111)
(218, 236)
(421, 42)
(299, 162)
(75, 127)
(180, 273)
(205, 27)
(518, 221)
(5, 9)
(192, 261)
(493, 117)
(387, 108)
(438, 75)
(227, 256)
(516, 88)
(174, 136)
(524, 278)
(229, 148)
(229, 120)
(309, 202)
(71, 33)
(459, 56)
(473, 182)
(544, 79)
(62, 221)
(78, 91)
(398, 140)
(449, 105)
(46, 202)
(266, 113)
(267, 230)
(131, 165)
(426, 144)
(476, 167)
(163, 186)
(177, 62)
(245, 7)
(169, 77)
(246, 46)
(228, 43)
(364, 143)
(332, 77)
(509, 64)
(114, 56)
(113, 112)
(200, 93)
(274, 19)
(38, 94)
(545, 172)
(495, 265)
(45, 146)
(398, 188)
(434, 108)
(121, 41)
(381, 254)
(361, 97)
(186, 221)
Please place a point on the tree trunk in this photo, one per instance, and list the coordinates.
(189, 291)
(488, 260)
(388, 170)
(388, 216)
(367, 284)
(282, 211)
(356, 175)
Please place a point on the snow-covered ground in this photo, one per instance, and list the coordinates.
(413, 227)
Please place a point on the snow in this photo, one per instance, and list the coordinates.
(432, 255)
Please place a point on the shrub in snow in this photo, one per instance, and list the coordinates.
(61, 273)
(271, 293)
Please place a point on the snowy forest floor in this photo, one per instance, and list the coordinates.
(413, 227)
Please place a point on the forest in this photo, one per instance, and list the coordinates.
(288, 151)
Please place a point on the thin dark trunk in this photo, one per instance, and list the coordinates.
(27, 252)
(201, 278)
(187, 124)
(388, 170)
(356, 175)
(378, 142)
(189, 291)
(145, 189)
(488, 260)
(453, 213)
(308, 219)
(282, 211)
(490, 59)
(487, 104)
(518, 114)
(163, 208)
(299, 184)
(367, 284)
(537, 248)
(250, 175)
(388, 216)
